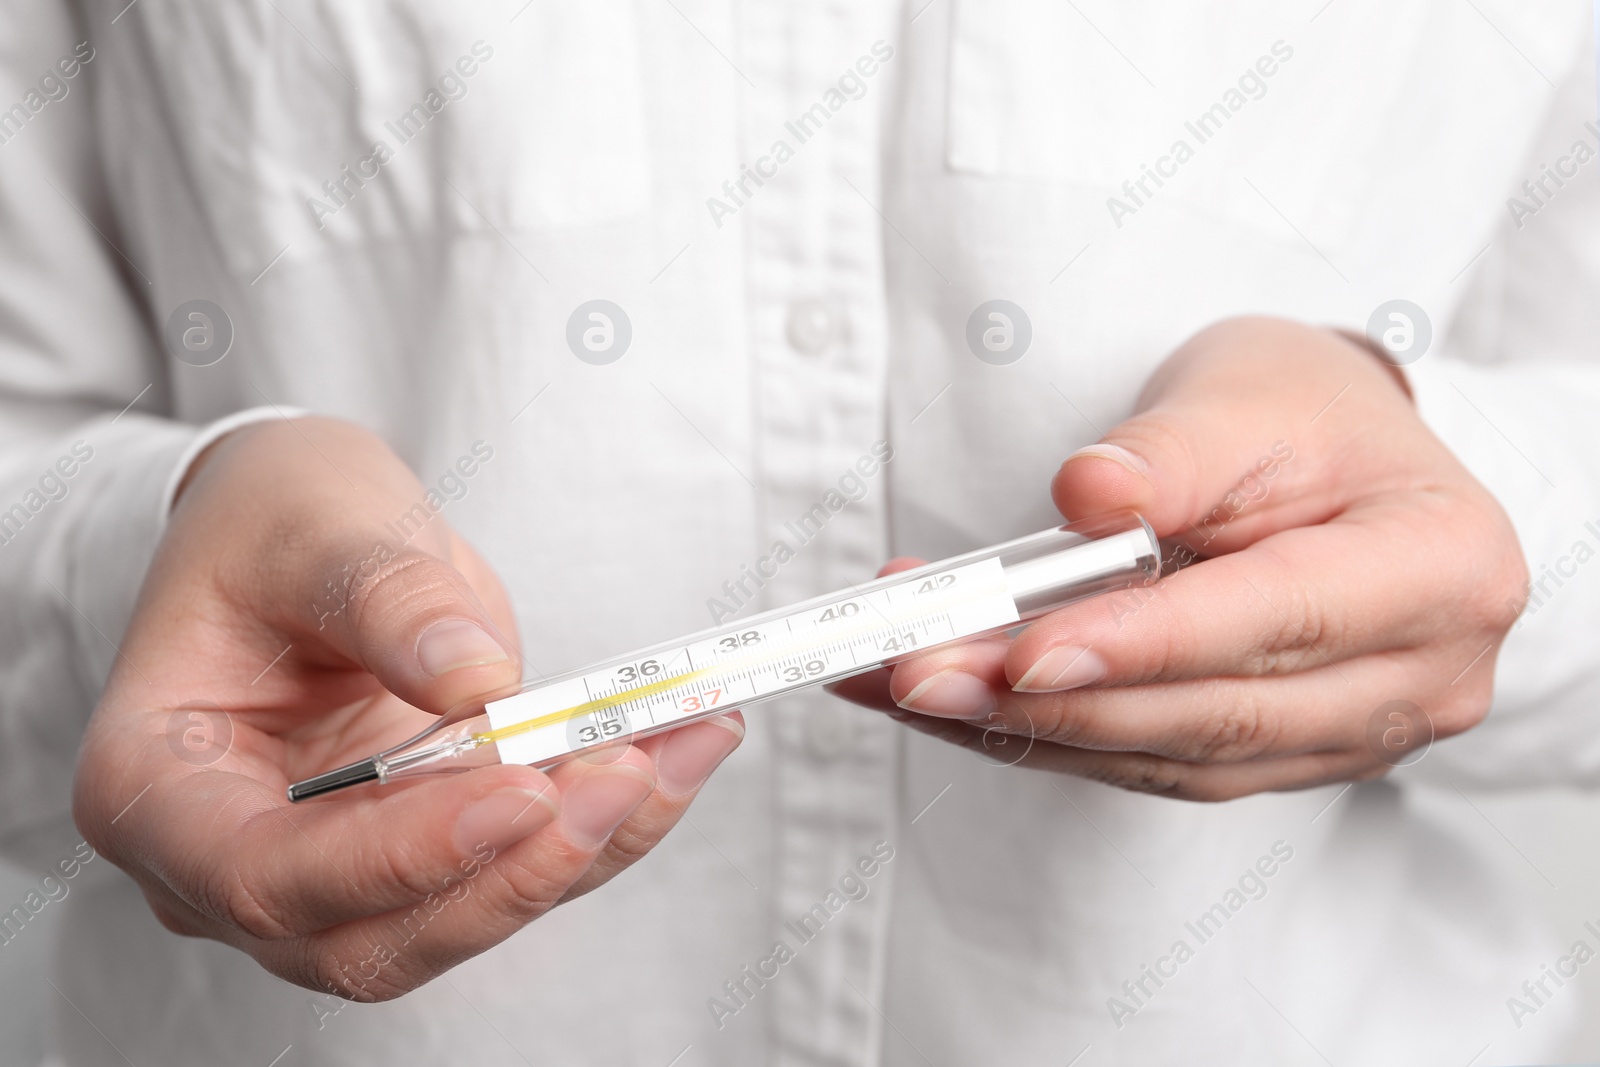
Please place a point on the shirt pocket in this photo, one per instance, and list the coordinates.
(1239, 112)
(311, 125)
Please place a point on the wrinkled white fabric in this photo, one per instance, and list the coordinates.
(410, 262)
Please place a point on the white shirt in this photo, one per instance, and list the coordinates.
(778, 331)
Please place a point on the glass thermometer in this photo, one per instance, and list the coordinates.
(825, 639)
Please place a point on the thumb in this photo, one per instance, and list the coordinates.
(1185, 484)
(1226, 449)
(416, 625)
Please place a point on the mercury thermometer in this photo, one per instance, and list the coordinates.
(817, 641)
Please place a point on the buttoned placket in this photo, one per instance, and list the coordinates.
(815, 277)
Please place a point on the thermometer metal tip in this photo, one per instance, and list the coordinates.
(341, 777)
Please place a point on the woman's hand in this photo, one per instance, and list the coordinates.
(284, 629)
(1344, 560)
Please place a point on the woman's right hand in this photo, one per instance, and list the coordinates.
(283, 630)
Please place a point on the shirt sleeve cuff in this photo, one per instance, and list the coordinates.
(208, 436)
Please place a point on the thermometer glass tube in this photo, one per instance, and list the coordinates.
(821, 640)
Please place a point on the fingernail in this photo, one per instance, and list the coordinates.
(689, 755)
(596, 806)
(1063, 667)
(504, 818)
(1116, 454)
(451, 644)
(954, 694)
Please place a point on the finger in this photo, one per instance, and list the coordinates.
(1209, 782)
(935, 670)
(1231, 720)
(530, 876)
(1212, 720)
(1300, 599)
(610, 818)
(684, 759)
(959, 682)
(348, 564)
(870, 690)
(241, 855)
(601, 822)
(1231, 443)
(417, 626)
(1157, 775)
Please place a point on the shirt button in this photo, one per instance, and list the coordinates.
(812, 326)
(830, 730)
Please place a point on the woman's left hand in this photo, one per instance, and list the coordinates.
(1351, 585)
